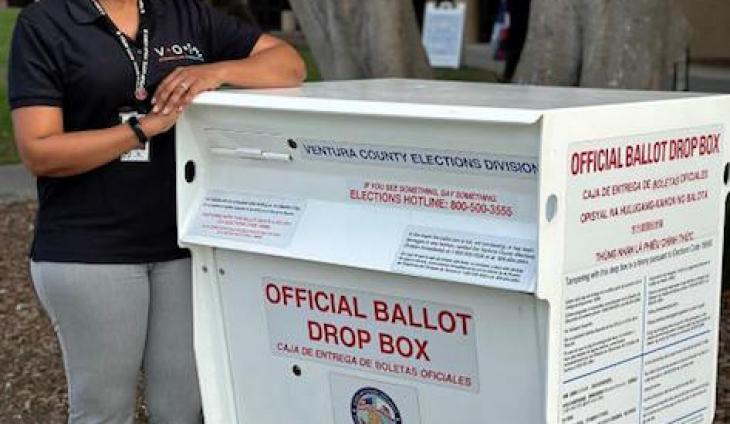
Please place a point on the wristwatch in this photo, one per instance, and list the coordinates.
(138, 131)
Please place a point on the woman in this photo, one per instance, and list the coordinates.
(95, 88)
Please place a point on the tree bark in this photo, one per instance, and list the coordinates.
(604, 43)
(353, 39)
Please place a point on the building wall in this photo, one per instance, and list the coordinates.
(710, 21)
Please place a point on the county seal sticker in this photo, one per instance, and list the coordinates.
(360, 401)
(371, 405)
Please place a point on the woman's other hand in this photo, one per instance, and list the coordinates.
(180, 87)
(154, 124)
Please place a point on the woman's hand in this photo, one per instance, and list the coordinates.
(183, 84)
(272, 63)
(157, 123)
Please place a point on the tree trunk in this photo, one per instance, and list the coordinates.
(353, 39)
(604, 43)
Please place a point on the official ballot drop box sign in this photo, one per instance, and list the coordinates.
(398, 251)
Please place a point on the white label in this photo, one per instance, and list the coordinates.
(428, 159)
(639, 333)
(248, 218)
(467, 257)
(137, 155)
(405, 338)
(443, 33)
(356, 400)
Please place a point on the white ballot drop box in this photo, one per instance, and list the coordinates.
(420, 252)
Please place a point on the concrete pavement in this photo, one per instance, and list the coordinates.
(16, 183)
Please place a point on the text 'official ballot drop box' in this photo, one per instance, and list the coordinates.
(396, 251)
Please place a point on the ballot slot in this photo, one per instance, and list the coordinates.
(242, 144)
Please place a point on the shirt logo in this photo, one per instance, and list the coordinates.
(178, 51)
(370, 405)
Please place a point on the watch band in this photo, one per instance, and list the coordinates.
(137, 128)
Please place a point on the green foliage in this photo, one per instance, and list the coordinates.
(7, 147)
(312, 70)
(466, 74)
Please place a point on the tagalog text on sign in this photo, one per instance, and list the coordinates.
(640, 319)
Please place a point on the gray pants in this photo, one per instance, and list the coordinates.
(112, 319)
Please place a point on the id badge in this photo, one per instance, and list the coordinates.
(134, 155)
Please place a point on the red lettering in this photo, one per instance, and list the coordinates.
(381, 310)
(347, 336)
(333, 304)
(575, 167)
(363, 337)
(344, 306)
(464, 322)
(447, 322)
(421, 347)
(412, 319)
(398, 315)
(426, 323)
(317, 300)
(358, 314)
(404, 347)
(288, 295)
(310, 300)
(386, 343)
(314, 331)
(272, 294)
(301, 296)
(330, 334)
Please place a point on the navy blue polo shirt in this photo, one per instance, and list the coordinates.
(64, 55)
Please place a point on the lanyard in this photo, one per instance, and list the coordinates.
(140, 70)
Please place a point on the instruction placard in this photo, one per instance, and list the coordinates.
(419, 340)
(474, 258)
(640, 296)
(247, 217)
